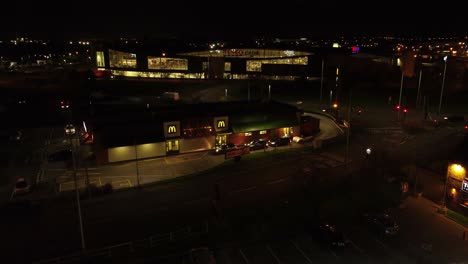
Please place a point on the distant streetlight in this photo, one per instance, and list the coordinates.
(225, 93)
(71, 131)
(368, 151)
(443, 84)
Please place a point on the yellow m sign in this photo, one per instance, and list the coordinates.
(171, 129)
(221, 124)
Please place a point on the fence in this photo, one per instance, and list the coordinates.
(130, 247)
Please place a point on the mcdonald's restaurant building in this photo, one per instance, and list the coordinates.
(129, 133)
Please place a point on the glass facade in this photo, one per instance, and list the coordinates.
(163, 63)
(256, 65)
(118, 59)
(168, 75)
(100, 62)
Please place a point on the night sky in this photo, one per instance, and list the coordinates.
(224, 19)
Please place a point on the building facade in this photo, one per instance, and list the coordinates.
(128, 134)
(241, 63)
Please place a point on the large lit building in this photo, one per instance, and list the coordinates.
(213, 63)
(125, 132)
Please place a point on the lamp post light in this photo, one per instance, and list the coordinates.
(443, 84)
(71, 131)
(269, 92)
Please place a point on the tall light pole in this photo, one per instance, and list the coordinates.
(419, 89)
(225, 93)
(70, 131)
(321, 80)
(347, 130)
(401, 91)
(269, 92)
(443, 84)
(136, 164)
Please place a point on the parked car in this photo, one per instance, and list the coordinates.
(303, 139)
(382, 223)
(202, 256)
(62, 155)
(277, 142)
(330, 236)
(21, 186)
(221, 149)
(257, 144)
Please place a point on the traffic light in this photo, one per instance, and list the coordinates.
(405, 111)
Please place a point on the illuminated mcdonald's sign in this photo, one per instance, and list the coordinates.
(221, 124)
(171, 129)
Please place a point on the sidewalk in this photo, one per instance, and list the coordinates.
(445, 243)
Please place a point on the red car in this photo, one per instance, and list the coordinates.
(21, 186)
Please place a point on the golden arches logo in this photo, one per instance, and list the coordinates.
(221, 124)
(171, 129)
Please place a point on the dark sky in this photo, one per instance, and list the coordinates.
(225, 19)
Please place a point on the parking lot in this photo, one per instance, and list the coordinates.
(364, 248)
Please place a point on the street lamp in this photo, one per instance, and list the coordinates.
(443, 84)
(456, 171)
(71, 131)
(269, 92)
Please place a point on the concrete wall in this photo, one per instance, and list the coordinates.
(144, 151)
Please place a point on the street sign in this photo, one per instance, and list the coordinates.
(465, 185)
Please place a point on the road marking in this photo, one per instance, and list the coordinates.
(356, 246)
(243, 256)
(273, 254)
(381, 243)
(277, 181)
(12, 194)
(333, 253)
(243, 190)
(302, 252)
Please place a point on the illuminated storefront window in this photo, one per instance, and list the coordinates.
(248, 134)
(100, 62)
(161, 75)
(287, 131)
(256, 65)
(163, 63)
(227, 66)
(118, 59)
(263, 132)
